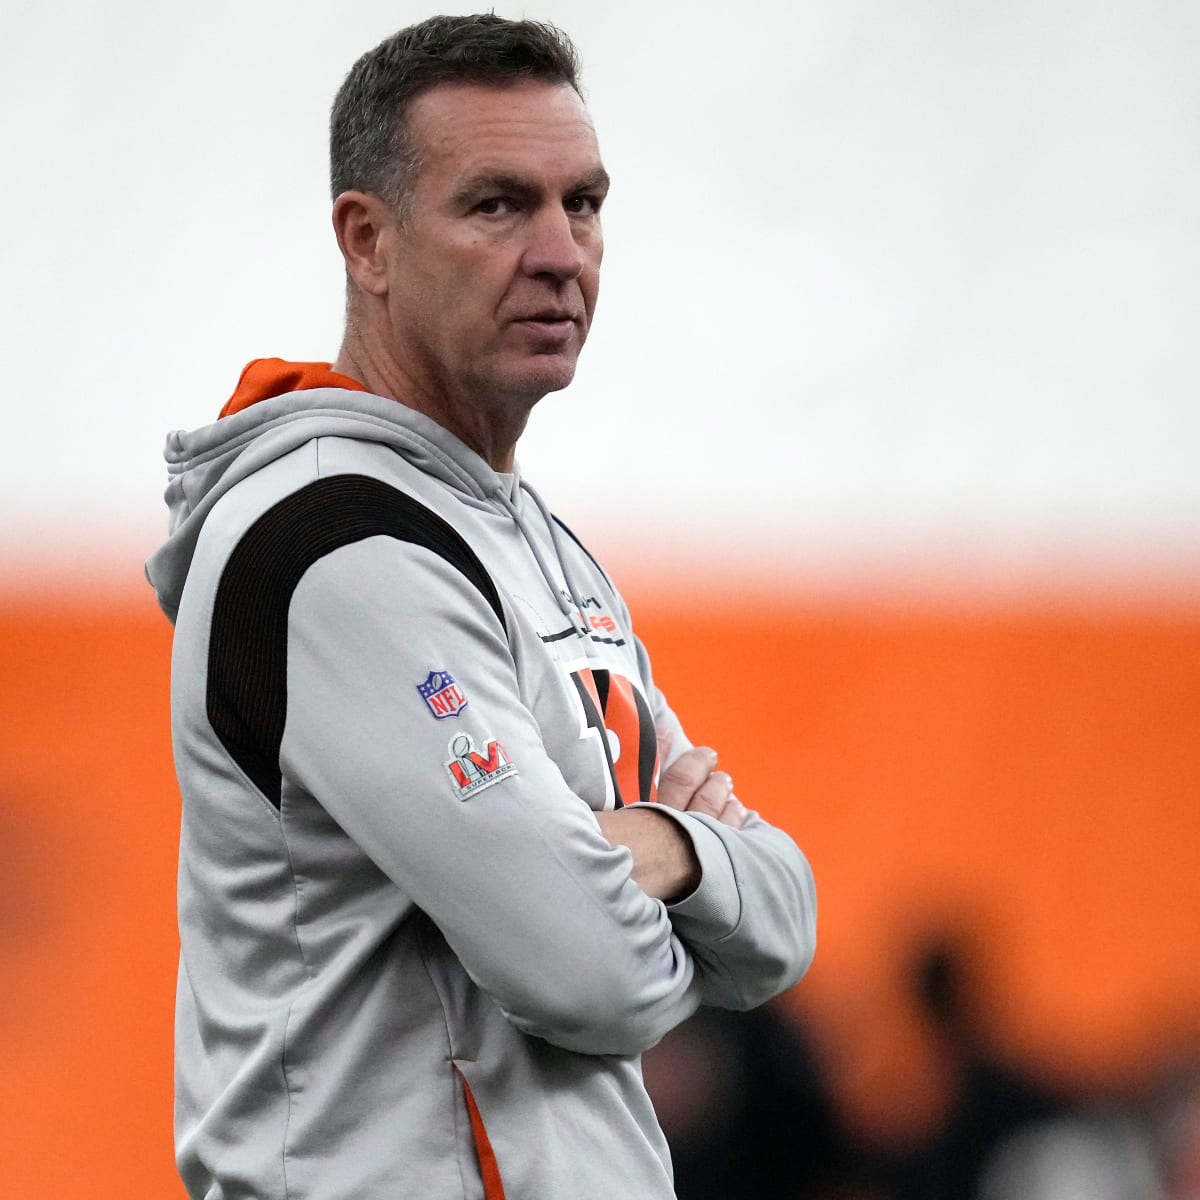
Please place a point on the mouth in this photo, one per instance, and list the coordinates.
(550, 316)
(552, 324)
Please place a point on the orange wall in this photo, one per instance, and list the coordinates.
(1034, 770)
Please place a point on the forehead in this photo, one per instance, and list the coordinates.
(539, 130)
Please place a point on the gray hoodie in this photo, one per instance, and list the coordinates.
(411, 965)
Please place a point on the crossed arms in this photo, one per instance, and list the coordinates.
(596, 932)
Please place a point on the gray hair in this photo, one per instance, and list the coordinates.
(370, 149)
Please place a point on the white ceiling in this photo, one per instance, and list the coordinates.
(884, 280)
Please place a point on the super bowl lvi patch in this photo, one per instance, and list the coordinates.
(473, 770)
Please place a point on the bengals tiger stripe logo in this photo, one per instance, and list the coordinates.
(615, 710)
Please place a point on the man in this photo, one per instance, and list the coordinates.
(428, 923)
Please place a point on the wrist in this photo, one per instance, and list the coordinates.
(665, 863)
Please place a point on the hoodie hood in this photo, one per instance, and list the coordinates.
(263, 378)
(277, 407)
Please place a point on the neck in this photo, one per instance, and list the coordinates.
(491, 429)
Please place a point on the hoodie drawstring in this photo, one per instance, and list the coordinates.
(573, 595)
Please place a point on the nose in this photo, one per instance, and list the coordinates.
(555, 246)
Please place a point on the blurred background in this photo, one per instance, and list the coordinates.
(887, 427)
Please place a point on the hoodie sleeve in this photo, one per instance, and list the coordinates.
(469, 815)
(751, 924)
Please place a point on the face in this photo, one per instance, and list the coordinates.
(496, 261)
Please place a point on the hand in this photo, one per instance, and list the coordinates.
(693, 784)
(665, 865)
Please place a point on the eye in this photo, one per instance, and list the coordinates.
(495, 206)
(583, 206)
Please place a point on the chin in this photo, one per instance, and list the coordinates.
(536, 380)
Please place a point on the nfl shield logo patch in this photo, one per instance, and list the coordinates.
(443, 697)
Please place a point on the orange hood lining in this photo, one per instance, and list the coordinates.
(263, 378)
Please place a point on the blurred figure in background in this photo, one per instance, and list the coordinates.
(985, 1101)
(1132, 1150)
(745, 1109)
(1099, 1156)
(1178, 1128)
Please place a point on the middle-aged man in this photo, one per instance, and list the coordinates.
(429, 919)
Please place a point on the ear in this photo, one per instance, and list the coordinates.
(361, 223)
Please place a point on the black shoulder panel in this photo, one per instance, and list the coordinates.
(247, 652)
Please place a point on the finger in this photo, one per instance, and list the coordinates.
(681, 780)
(712, 795)
(666, 738)
(734, 813)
